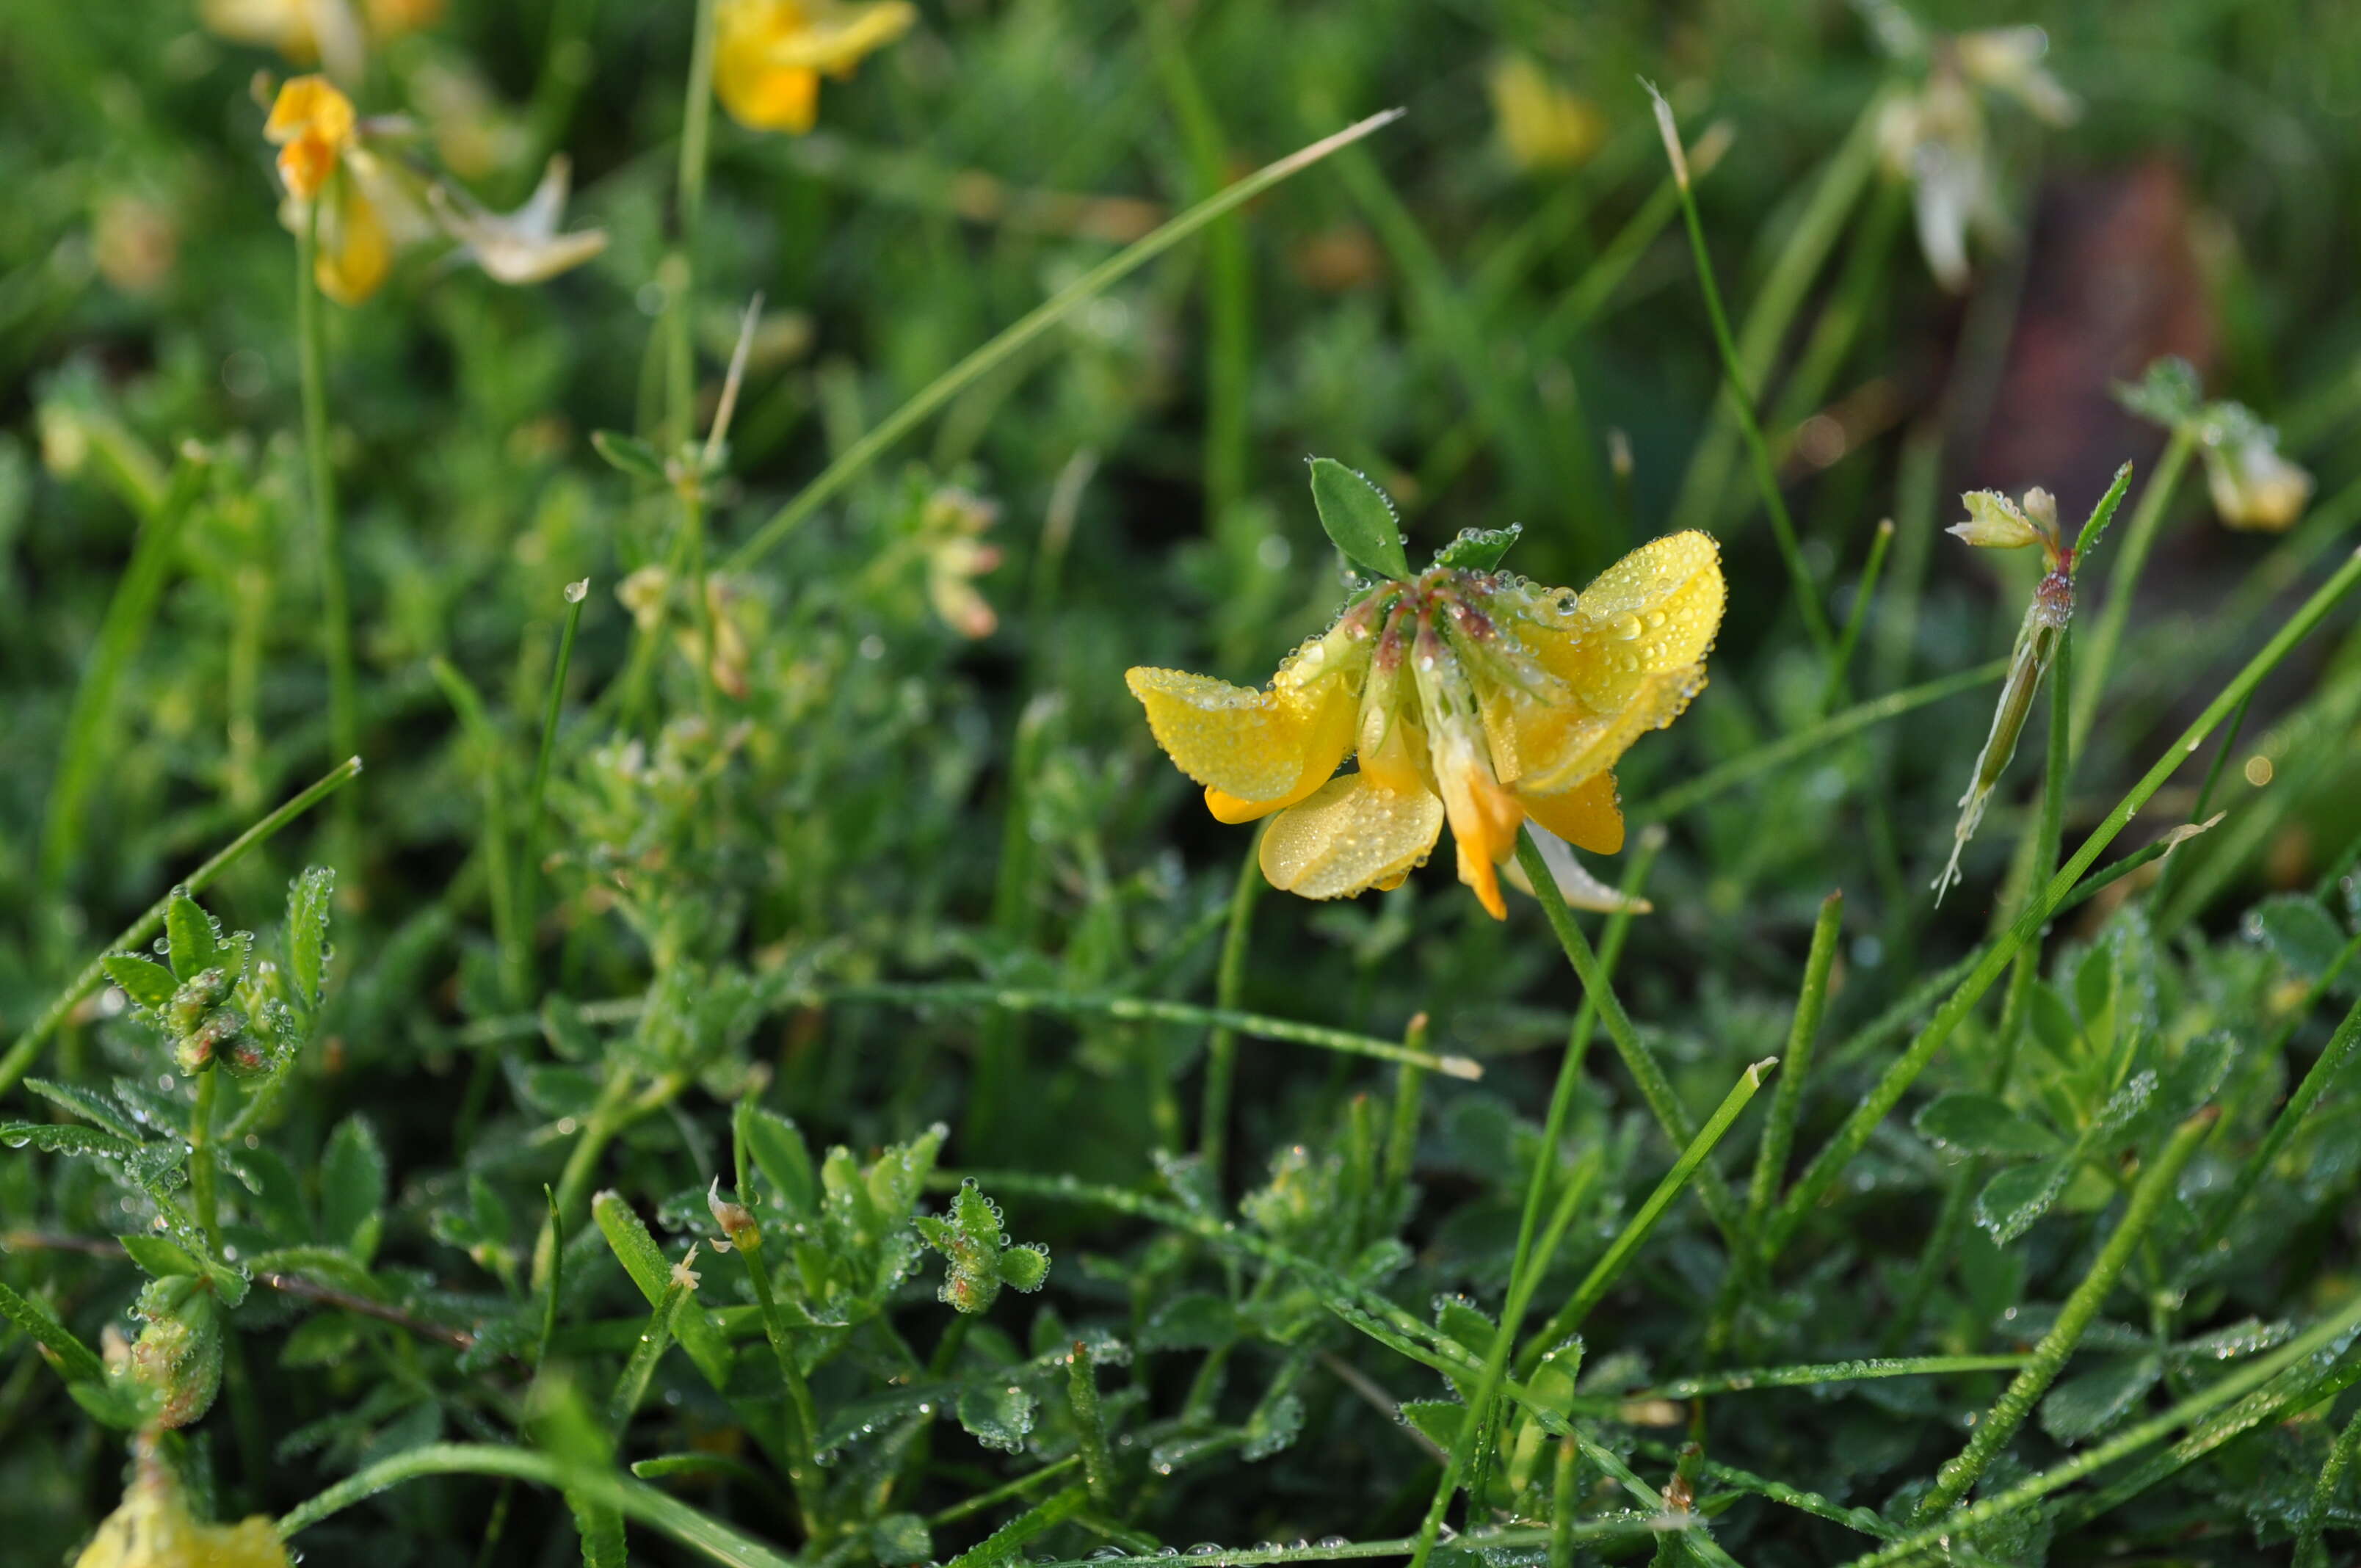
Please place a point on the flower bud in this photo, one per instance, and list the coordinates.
(174, 1368)
(1996, 522)
(2253, 489)
(737, 1221)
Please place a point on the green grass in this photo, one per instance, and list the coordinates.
(817, 890)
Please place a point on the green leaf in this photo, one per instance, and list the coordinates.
(2168, 393)
(1478, 549)
(61, 1137)
(1359, 518)
(189, 937)
(1985, 1123)
(159, 1257)
(1439, 1419)
(781, 1155)
(2300, 932)
(75, 1361)
(352, 1188)
(2053, 1022)
(308, 898)
(651, 1270)
(998, 1415)
(1025, 1266)
(629, 453)
(148, 983)
(897, 1540)
(88, 1104)
(2089, 1402)
(1195, 1320)
(2014, 1200)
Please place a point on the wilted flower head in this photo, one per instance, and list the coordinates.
(329, 32)
(1936, 136)
(1471, 696)
(1542, 125)
(769, 54)
(1997, 522)
(522, 247)
(2253, 487)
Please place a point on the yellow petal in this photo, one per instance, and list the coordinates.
(356, 253)
(1267, 749)
(1587, 817)
(309, 105)
(1563, 745)
(1350, 836)
(1655, 610)
(1484, 816)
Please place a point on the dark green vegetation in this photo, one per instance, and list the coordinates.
(2039, 1245)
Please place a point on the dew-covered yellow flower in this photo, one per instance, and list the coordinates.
(769, 54)
(154, 1529)
(1472, 697)
(1543, 125)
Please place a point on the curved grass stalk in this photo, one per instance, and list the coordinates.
(632, 1499)
(1040, 319)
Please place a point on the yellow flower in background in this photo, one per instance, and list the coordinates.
(1473, 698)
(1542, 125)
(153, 1529)
(1936, 136)
(312, 124)
(2253, 489)
(306, 32)
(769, 54)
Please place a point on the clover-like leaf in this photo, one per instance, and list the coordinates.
(977, 1254)
(1358, 519)
(1478, 549)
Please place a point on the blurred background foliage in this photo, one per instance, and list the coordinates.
(1489, 307)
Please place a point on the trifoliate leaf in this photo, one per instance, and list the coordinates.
(1985, 1123)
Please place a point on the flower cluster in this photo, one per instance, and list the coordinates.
(1936, 136)
(362, 202)
(1471, 696)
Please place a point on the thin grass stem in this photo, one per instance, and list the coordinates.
(856, 458)
(1997, 953)
(2123, 580)
(335, 609)
(1221, 1045)
(1999, 1424)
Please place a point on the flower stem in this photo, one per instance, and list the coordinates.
(529, 873)
(1222, 1046)
(202, 1187)
(1742, 406)
(2123, 579)
(801, 1415)
(335, 610)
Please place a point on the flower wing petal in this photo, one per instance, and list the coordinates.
(1349, 836)
(1258, 748)
(1661, 603)
(1588, 815)
(1561, 746)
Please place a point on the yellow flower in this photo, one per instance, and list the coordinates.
(304, 31)
(1542, 125)
(153, 1529)
(1472, 699)
(2255, 489)
(312, 124)
(768, 54)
